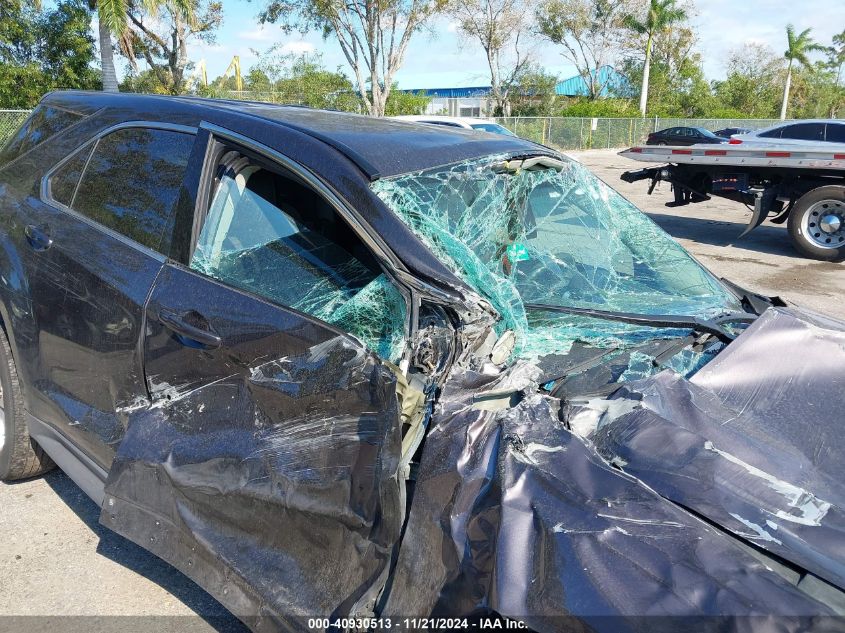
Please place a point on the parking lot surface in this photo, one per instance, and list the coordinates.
(55, 558)
(763, 260)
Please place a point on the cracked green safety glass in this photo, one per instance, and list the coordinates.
(273, 236)
(546, 231)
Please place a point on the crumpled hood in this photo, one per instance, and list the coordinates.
(753, 442)
(514, 513)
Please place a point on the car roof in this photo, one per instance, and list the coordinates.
(798, 122)
(380, 147)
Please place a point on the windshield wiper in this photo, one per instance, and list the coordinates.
(709, 326)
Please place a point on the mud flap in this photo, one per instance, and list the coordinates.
(276, 490)
(762, 205)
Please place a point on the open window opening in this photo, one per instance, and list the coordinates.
(268, 232)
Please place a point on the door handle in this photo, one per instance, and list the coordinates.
(37, 237)
(191, 327)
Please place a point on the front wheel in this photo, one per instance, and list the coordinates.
(817, 223)
(20, 457)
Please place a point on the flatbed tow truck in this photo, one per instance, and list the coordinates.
(804, 187)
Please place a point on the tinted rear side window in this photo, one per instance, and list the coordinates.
(772, 133)
(41, 125)
(132, 181)
(64, 180)
(835, 133)
(804, 131)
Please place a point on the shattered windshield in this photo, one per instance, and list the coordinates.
(551, 233)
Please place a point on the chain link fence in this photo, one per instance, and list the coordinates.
(565, 133)
(573, 133)
(10, 121)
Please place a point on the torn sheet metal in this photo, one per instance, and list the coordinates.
(753, 442)
(247, 484)
(514, 514)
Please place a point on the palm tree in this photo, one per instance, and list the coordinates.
(661, 15)
(113, 17)
(799, 46)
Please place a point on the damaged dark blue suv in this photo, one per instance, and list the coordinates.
(332, 366)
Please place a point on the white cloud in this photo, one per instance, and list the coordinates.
(258, 34)
(297, 47)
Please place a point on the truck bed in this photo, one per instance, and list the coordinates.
(736, 155)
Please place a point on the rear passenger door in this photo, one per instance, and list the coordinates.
(271, 446)
(98, 240)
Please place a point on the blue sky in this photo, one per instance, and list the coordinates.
(441, 60)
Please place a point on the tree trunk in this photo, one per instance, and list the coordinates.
(786, 88)
(380, 103)
(107, 59)
(646, 71)
(495, 82)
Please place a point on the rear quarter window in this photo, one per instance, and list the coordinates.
(129, 182)
(44, 123)
(835, 133)
(804, 132)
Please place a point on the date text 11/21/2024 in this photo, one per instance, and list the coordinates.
(414, 624)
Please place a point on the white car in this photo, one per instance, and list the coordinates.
(480, 125)
(805, 132)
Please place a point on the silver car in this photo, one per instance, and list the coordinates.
(805, 132)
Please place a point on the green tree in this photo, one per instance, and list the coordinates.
(677, 86)
(534, 94)
(815, 93)
(498, 26)
(306, 81)
(406, 103)
(752, 87)
(610, 107)
(113, 19)
(42, 51)
(372, 34)
(66, 48)
(836, 55)
(295, 79)
(798, 48)
(590, 33)
(162, 38)
(256, 80)
(660, 15)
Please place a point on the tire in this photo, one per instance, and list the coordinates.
(805, 223)
(20, 456)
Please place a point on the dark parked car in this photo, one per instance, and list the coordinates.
(328, 365)
(730, 131)
(683, 136)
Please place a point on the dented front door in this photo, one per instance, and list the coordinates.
(265, 465)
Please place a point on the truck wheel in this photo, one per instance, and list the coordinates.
(20, 457)
(817, 223)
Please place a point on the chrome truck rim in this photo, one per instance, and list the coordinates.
(824, 223)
